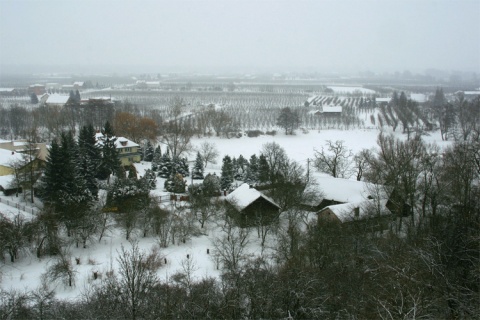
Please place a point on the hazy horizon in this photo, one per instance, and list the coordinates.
(239, 36)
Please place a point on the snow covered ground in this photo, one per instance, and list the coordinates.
(343, 90)
(25, 273)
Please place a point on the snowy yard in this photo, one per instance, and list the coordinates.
(25, 273)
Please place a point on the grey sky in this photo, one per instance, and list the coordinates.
(285, 35)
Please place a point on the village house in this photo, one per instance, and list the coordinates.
(57, 100)
(11, 165)
(8, 92)
(331, 191)
(128, 151)
(38, 89)
(373, 211)
(21, 146)
(252, 207)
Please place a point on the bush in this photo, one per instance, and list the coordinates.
(271, 133)
(254, 133)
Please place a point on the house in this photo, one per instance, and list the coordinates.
(251, 207)
(7, 161)
(375, 212)
(78, 85)
(57, 100)
(38, 89)
(331, 191)
(328, 111)
(21, 146)
(8, 92)
(12, 164)
(128, 151)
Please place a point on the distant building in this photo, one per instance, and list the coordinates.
(57, 100)
(38, 89)
(8, 92)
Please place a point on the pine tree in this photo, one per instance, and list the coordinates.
(156, 160)
(165, 165)
(89, 158)
(241, 168)
(211, 185)
(77, 97)
(180, 165)
(197, 171)
(227, 173)
(149, 152)
(33, 98)
(110, 163)
(263, 169)
(51, 182)
(175, 183)
(150, 179)
(251, 175)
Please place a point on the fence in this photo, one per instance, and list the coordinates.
(19, 206)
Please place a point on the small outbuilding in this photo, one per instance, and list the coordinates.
(252, 207)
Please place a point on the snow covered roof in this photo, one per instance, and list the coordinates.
(344, 190)
(332, 109)
(5, 180)
(243, 196)
(346, 211)
(419, 97)
(7, 157)
(7, 89)
(121, 142)
(78, 83)
(387, 100)
(57, 99)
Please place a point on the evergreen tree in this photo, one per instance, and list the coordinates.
(51, 183)
(251, 175)
(211, 185)
(241, 168)
(149, 152)
(77, 97)
(150, 179)
(175, 183)
(156, 160)
(89, 158)
(110, 163)
(165, 165)
(263, 169)
(197, 171)
(33, 98)
(227, 173)
(180, 165)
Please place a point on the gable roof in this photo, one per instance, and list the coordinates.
(343, 190)
(118, 143)
(7, 157)
(346, 211)
(243, 196)
(57, 99)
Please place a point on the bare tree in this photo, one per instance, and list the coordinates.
(208, 152)
(336, 160)
(137, 277)
(178, 130)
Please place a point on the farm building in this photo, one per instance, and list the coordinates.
(252, 207)
(375, 212)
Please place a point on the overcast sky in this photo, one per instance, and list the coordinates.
(343, 35)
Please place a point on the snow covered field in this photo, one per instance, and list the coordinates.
(343, 90)
(25, 273)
